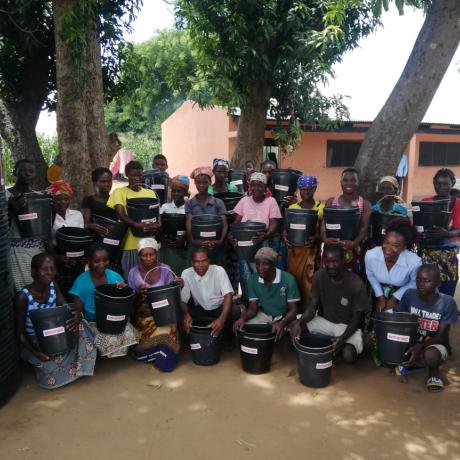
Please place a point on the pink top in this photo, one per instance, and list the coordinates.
(135, 279)
(248, 209)
(359, 203)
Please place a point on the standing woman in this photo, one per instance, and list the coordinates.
(159, 345)
(303, 261)
(22, 249)
(389, 202)
(445, 257)
(204, 203)
(355, 249)
(220, 170)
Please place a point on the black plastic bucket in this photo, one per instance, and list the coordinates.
(113, 239)
(314, 360)
(395, 333)
(51, 332)
(113, 306)
(284, 182)
(300, 225)
(237, 177)
(34, 219)
(205, 348)
(143, 210)
(243, 233)
(72, 242)
(158, 181)
(230, 199)
(165, 303)
(173, 225)
(430, 206)
(427, 221)
(207, 227)
(379, 222)
(256, 342)
(342, 222)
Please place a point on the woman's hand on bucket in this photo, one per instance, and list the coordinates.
(187, 322)
(179, 281)
(337, 344)
(295, 329)
(238, 324)
(72, 323)
(39, 355)
(279, 329)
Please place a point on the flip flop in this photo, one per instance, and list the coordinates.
(434, 385)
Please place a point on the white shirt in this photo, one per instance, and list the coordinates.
(171, 208)
(209, 290)
(73, 218)
(402, 274)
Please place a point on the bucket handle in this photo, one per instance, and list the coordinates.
(156, 268)
(310, 352)
(257, 339)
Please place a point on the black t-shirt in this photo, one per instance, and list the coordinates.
(337, 301)
(101, 209)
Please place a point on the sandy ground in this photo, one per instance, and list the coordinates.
(129, 409)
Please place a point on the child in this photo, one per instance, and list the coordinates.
(82, 292)
(436, 312)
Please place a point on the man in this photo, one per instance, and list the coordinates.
(340, 297)
(207, 293)
(273, 295)
(160, 162)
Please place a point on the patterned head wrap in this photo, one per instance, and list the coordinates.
(148, 243)
(206, 170)
(307, 181)
(219, 162)
(180, 182)
(60, 187)
(259, 177)
(392, 180)
(267, 254)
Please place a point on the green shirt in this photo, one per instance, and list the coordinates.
(230, 188)
(273, 298)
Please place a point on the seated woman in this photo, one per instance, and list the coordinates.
(82, 294)
(392, 268)
(389, 202)
(52, 372)
(159, 345)
(220, 170)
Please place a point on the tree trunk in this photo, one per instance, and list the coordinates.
(407, 104)
(83, 139)
(251, 128)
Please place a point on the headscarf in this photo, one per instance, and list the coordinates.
(180, 182)
(148, 243)
(392, 180)
(307, 181)
(206, 170)
(266, 254)
(259, 177)
(219, 162)
(60, 187)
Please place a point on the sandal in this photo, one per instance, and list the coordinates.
(434, 385)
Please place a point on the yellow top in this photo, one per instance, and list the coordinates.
(54, 173)
(318, 206)
(119, 196)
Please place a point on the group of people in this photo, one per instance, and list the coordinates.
(327, 286)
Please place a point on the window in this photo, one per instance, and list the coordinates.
(270, 150)
(342, 153)
(439, 154)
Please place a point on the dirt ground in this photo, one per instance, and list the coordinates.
(130, 410)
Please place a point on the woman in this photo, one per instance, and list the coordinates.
(159, 345)
(355, 249)
(220, 170)
(204, 203)
(303, 261)
(445, 257)
(118, 200)
(389, 202)
(22, 249)
(392, 268)
(82, 294)
(56, 371)
(174, 252)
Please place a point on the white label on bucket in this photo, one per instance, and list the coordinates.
(180, 232)
(54, 331)
(153, 206)
(157, 187)
(415, 208)
(323, 365)
(237, 182)
(115, 317)
(149, 221)
(75, 254)
(208, 234)
(195, 346)
(298, 226)
(251, 351)
(160, 304)
(31, 216)
(283, 188)
(111, 242)
(384, 232)
(245, 243)
(333, 226)
(420, 228)
(398, 337)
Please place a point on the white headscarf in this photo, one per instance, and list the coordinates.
(148, 243)
(259, 177)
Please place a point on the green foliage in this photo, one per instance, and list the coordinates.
(144, 147)
(380, 5)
